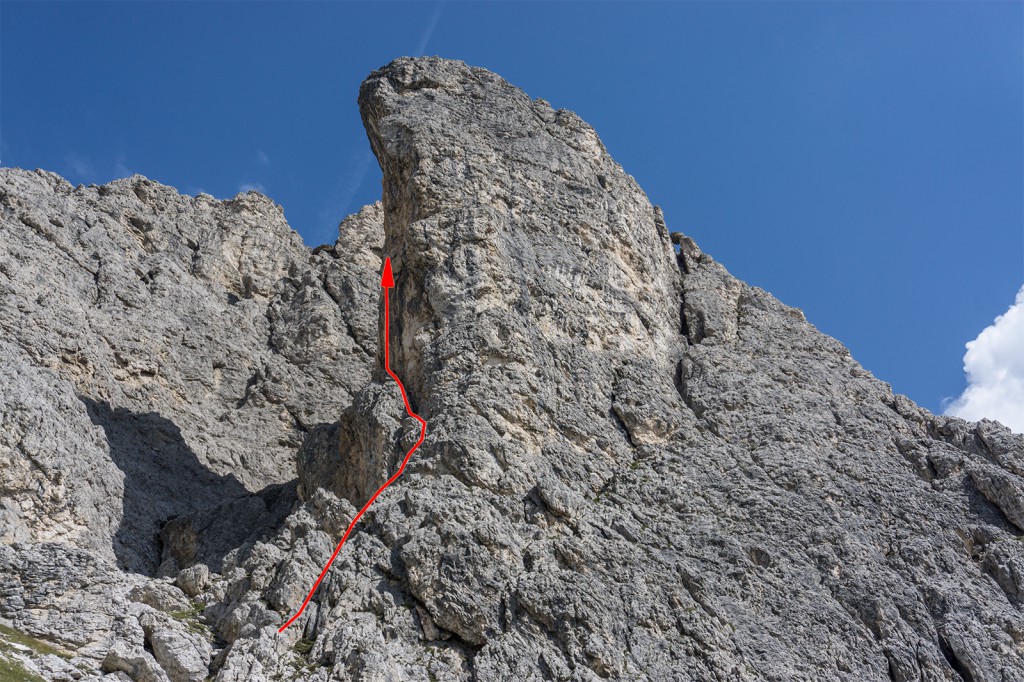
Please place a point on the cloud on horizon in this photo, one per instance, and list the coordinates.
(121, 169)
(251, 187)
(80, 168)
(994, 364)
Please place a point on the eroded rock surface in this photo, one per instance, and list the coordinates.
(637, 467)
(164, 353)
(162, 358)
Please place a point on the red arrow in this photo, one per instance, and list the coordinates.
(387, 281)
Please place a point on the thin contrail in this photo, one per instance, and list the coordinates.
(359, 166)
(429, 31)
(337, 206)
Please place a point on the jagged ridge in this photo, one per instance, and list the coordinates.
(638, 467)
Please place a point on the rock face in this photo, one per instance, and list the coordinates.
(637, 467)
(162, 358)
(165, 353)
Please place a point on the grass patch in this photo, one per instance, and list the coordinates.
(12, 671)
(190, 617)
(191, 613)
(9, 634)
(197, 628)
(303, 646)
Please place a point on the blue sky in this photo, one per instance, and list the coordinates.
(860, 160)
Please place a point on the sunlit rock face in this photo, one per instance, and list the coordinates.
(636, 467)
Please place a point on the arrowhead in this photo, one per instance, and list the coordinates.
(387, 280)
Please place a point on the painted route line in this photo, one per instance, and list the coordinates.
(387, 282)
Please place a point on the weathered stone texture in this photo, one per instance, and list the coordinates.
(163, 353)
(637, 467)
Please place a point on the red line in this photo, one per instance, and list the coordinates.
(351, 525)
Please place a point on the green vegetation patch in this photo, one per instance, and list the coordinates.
(12, 671)
(190, 617)
(191, 613)
(303, 646)
(9, 634)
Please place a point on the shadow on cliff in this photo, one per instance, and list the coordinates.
(207, 536)
(163, 479)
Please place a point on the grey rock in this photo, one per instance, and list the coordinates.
(53, 667)
(136, 662)
(193, 580)
(1003, 489)
(356, 455)
(204, 537)
(184, 656)
(636, 467)
(165, 351)
(63, 594)
(161, 596)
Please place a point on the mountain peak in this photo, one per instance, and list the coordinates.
(636, 465)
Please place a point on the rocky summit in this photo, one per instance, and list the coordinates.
(637, 467)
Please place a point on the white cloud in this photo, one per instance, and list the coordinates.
(994, 364)
(252, 187)
(121, 169)
(262, 158)
(80, 168)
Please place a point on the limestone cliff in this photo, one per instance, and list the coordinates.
(637, 467)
